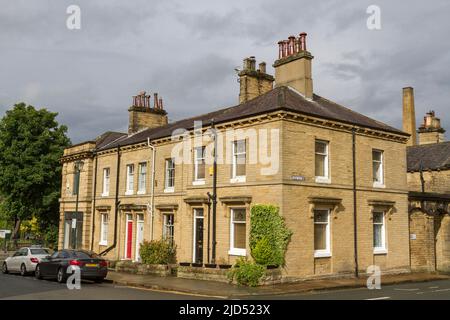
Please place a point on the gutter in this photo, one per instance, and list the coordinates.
(116, 207)
(152, 197)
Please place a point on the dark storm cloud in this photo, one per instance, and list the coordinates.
(187, 51)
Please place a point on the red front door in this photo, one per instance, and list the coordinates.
(129, 238)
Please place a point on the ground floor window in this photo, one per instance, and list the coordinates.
(168, 227)
(322, 233)
(379, 232)
(238, 236)
(104, 229)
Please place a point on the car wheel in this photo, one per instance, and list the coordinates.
(23, 270)
(4, 268)
(37, 272)
(60, 276)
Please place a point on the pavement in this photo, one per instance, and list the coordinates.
(229, 291)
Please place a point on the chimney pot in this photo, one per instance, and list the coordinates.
(155, 102)
(280, 49)
(303, 41)
(161, 104)
(262, 67)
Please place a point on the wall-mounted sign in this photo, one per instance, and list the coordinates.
(298, 178)
(74, 223)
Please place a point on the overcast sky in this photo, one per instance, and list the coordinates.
(187, 51)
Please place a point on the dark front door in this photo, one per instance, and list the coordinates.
(198, 235)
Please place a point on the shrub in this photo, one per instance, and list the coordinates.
(269, 236)
(246, 273)
(157, 252)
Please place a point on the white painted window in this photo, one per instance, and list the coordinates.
(170, 176)
(199, 165)
(378, 168)
(379, 233)
(238, 170)
(168, 227)
(322, 161)
(322, 241)
(238, 235)
(106, 179)
(142, 178)
(130, 179)
(104, 229)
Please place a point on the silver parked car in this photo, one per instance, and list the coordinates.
(25, 260)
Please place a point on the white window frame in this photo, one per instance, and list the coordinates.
(168, 188)
(140, 177)
(129, 176)
(106, 181)
(378, 184)
(326, 178)
(325, 253)
(237, 251)
(104, 221)
(166, 225)
(234, 177)
(199, 181)
(383, 248)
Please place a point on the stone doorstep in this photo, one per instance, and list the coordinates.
(278, 289)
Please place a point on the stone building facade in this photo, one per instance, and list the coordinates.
(338, 177)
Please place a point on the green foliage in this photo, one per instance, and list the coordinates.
(157, 252)
(31, 144)
(269, 236)
(247, 273)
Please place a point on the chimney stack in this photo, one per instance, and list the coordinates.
(409, 115)
(294, 65)
(431, 131)
(252, 82)
(143, 116)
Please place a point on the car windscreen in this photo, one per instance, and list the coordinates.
(83, 255)
(39, 251)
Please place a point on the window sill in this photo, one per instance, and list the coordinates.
(322, 254)
(198, 182)
(129, 193)
(142, 192)
(323, 180)
(380, 251)
(169, 190)
(378, 185)
(103, 243)
(105, 194)
(238, 179)
(237, 252)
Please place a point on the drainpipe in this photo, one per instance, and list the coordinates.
(214, 196)
(93, 202)
(152, 197)
(209, 227)
(355, 220)
(116, 207)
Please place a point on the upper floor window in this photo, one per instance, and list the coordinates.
(238, 236)
(130, 179)
(238, 171)
(199, 165)
(170, 175)
(379, 232)
(106, 176)
(322, 161)
(322, 241)
(142, 177)
(378, 168)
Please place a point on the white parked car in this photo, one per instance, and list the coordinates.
(25, 260)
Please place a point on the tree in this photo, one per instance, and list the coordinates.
(31, 144)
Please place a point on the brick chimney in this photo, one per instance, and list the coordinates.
(253, 83)
(431, 131)
(293, 67)
(143, 116)
(409, 115)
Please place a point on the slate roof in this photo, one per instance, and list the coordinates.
(432, 156)
(280, 98)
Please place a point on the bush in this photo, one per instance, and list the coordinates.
(246, 273)
(157, 252)
(269, 236)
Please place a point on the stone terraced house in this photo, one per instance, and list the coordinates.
(339, 181)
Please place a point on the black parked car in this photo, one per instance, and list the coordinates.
(55, 266)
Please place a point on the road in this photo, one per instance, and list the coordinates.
(25, 288)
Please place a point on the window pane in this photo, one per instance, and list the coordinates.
(239, 215)
(239, 235)
(320, 165)
(377, 171)
(321, 216)
(240, 170)
(320, 237)
(240, 146)
(201, 170)
(377, 236)
(378, 217)
(321, 147)
(376, 155)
